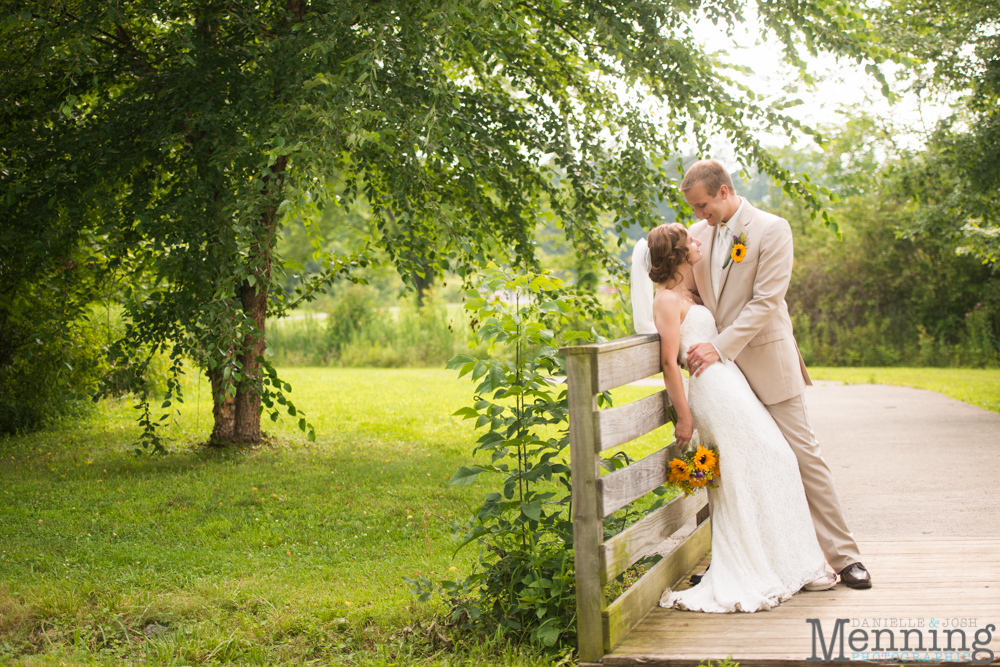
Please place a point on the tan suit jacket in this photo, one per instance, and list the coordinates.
(752, 318)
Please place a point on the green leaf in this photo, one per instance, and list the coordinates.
(466, 475)
(532, 510)
(466, 413)
(548, 635)
(459, 361)
(496, 376)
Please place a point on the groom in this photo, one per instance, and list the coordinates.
(743, 284)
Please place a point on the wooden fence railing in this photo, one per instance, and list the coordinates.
(590, 370)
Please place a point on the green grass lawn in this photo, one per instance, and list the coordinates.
(974, 386)
(281, 554)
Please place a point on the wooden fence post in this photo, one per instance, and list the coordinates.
(590, 370)
(587, 523)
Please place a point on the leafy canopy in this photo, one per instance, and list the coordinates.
(179, 136)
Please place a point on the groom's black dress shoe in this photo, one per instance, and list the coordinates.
(696, 578)
(856, 576)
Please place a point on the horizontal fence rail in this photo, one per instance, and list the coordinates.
(591, 370)
(636, 542)
(622, 614)
(616, 426)
(621, 487)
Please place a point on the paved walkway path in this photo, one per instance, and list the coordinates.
(908, 462)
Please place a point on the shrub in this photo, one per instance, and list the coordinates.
(524, 583)
(52, 371)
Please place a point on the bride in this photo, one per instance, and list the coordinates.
(764, 546)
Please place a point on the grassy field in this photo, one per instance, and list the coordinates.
(974, 386)
(282, 554)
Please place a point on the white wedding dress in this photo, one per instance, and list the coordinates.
(764, 546)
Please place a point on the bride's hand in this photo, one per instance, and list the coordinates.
(683, 430)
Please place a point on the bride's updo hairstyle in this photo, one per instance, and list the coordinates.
(668, 249)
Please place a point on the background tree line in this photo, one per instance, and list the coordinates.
(884, 294)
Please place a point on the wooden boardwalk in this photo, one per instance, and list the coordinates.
(919, 584)
(894, 494)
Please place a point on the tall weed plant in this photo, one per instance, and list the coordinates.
(523, 586)
(357, 331)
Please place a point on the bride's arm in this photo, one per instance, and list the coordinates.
(667, 316)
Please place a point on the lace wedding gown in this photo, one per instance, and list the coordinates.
(764, 546)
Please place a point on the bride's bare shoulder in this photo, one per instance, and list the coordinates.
(668, 300)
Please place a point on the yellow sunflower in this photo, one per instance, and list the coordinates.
(678, 471)
(704, 459)
(698, 481)
(739, 252)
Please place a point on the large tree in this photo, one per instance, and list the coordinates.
(953, 186)
(181, 135)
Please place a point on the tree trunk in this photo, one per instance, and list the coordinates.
(254, 301)
(253, 298)
(222, 410)
(423, 284)
(247, 406)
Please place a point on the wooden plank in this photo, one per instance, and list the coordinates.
(740, 650)
(774, 632)
(893, 608)
(926, 541)
(703, 514)
(770, 643)
(660, 621)
(670, 633)
(785, 659)
(611, 345)
(989, 555)
(622, 614)
(587, 522)
(627, 364)
(764, 660)
(933, 548)
(626, 548)
(616, 426)
(764, 644)
(623, 486)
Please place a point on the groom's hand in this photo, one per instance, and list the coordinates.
(700, 357)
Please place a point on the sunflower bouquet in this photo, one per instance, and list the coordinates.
(695, 469)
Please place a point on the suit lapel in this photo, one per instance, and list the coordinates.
(736, 227)
(703, 270)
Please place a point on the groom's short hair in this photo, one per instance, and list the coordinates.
(709, 173)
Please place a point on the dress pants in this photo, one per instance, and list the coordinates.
(835, 539)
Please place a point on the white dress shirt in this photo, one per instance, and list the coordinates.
(723, 244)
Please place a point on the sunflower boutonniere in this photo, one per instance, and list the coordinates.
(738, 250)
